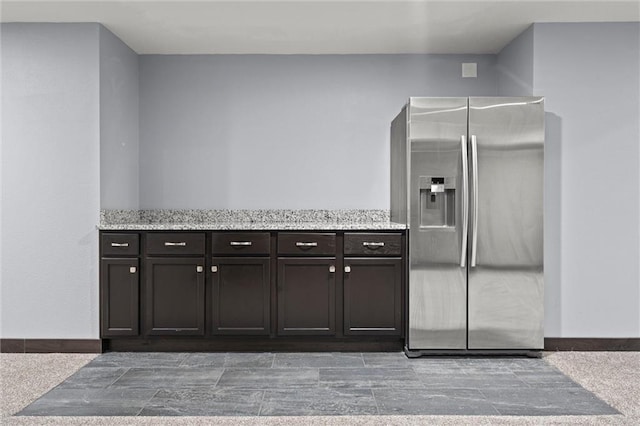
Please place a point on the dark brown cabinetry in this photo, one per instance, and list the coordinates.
(372, 244)
(119, 297)
(306, 296)
(119, 285)
(372, 296)
(373, 284)
(241, 243)
(119, 245)
(175, 244)
(241, 285)
(306, 283)
(174, 296)
(175, 284)
(306, 244)
(257, 290)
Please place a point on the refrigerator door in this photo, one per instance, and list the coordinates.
(506, 223)
(437, 247)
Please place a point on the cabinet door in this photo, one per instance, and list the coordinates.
(174, 296)
(373, 296)
(306, 296)
(241, 295)
(119, 287)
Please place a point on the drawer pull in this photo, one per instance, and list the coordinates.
(301, 244)
(132, 269)
(119, 244)
(372, 245)
(347, 269)
(199, 269)
(332, 268)
(214, 269)
(170, 244)
(240, 243)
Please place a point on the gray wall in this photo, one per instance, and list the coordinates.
(118, 124)
(590, 76)
(50, 180)
(233, 131)
(515, 66)
(292, 132)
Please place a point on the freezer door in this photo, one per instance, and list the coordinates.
(437, 281)
(506, 222)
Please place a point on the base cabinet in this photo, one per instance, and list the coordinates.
(269, 289)
(373, 296)
(306, 296)
(119, 290)
(175, 302)
(240, 296)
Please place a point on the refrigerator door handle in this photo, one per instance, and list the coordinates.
(465, 201)
(474, 219)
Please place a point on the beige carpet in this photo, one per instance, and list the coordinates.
(612, 376)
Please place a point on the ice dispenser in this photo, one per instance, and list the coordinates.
(437, 201)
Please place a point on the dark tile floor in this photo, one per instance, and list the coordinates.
(287, 384)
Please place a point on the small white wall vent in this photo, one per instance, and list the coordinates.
(469, 70)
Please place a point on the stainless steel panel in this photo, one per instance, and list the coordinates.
(506, 285)
(506, 308)
(437, 283)
(398, 202)
(437, 307)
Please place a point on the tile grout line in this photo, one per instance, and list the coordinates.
(181, 363)
(215, 385)
(490, 403)
(375, 401)
(147, 403)
(126, 369)
(264, 391)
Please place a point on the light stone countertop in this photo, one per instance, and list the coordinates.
(253, 226)
(246, 220)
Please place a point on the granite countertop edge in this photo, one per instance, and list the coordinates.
(253, 226)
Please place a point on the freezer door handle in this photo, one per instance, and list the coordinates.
(465, 201)
(474, 219)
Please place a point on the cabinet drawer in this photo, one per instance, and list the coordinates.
(306, 244)
(372, 244)
(181, 243)
(120, 244)
(239, 243)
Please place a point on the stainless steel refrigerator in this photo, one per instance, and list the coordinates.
(467, 179)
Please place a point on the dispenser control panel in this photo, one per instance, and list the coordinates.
(437, 201)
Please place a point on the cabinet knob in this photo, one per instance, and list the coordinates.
(347, 269)
(332, 268)
(199, 268)
(214, 269)
(132, 269)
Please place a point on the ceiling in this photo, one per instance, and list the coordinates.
(317, 27)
